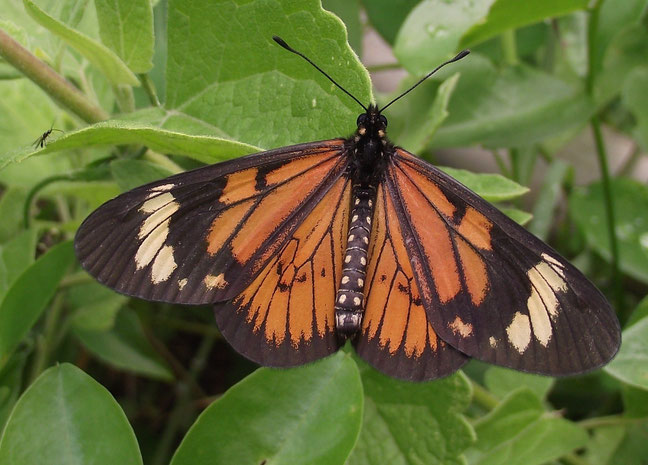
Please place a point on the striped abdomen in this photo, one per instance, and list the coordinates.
(349, 302)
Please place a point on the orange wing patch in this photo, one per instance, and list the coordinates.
(396, 335)
(290, 304)
(451, 248)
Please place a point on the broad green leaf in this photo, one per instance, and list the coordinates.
(349, 12)
(16, 256)
(126, 27)
(432, 32)
(125, 346)
(625, 53)
(511, 14)
(587, 208)
(65, 418)
(613, 18)
(501, 381)
(518, 410)
(99, 55)
(635, 97)
(492, 187)
(21, 306)
(639, 313)
(11, 383)
(94, 306)
(414, 121)
(603, 444)
(176, 135)
(519, 216)
(635, 401)
(387, 16)
(242, 84)
(130, 174)
(413, 423)
(548, 198)
(539, 443)
(633, 449)
(12, 203)
(311, 414)
(631, 363)
(514, 107)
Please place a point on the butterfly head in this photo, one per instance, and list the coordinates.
(371, 124)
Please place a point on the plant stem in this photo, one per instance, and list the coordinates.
(601, 154)
(482, 397)
(509, 47)
(611, 420)
(149, 87)
(184, 405)
(573, 459)
(45, 342)
(49, 80)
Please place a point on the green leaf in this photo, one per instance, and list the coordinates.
(520, 409)
(511, 14)
(387, 16)
(548, 198)
(21, 306)
(349, 12)
(519, 216)
(126, 27)
(587, 208)
(603, 444)
(625, 53)
(492, 187)
(241, 83)
(130, 174)
(178, 136)
(501, 381)
(514, 107)
(103, 58)
(125, 346)
(11, 212)
(95, 307)
(432, 32)
(16, 256)
(64, 418)
(11, 383)
(639, 313)
(518, 431)
(311, 414)
(635, 97)
(416, 120)
(631, 363)
(635, 402)
(413, 423)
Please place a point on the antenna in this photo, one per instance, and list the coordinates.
(283, 43)
(459, 56)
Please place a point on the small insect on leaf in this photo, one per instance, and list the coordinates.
(302, 248)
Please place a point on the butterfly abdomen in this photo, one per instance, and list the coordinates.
(349, 301)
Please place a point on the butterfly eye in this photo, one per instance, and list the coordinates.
(362, 118)
(383, 120)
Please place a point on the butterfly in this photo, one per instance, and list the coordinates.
(303, 248)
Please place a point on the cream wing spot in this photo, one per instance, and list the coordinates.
(519, 332)
(157, 217)
(149, 248)
(345, 279)
(356, 301)
(459, 327)
(492, 341)
(182, 283)
(342, 298)
(163, 265)
(212, 281)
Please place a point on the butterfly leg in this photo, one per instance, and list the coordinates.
(349, 302)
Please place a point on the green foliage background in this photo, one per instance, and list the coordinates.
(89, 376)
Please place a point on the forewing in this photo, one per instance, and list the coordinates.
(490, 288)
(286, 316)
(396, 335)
(202, 236)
